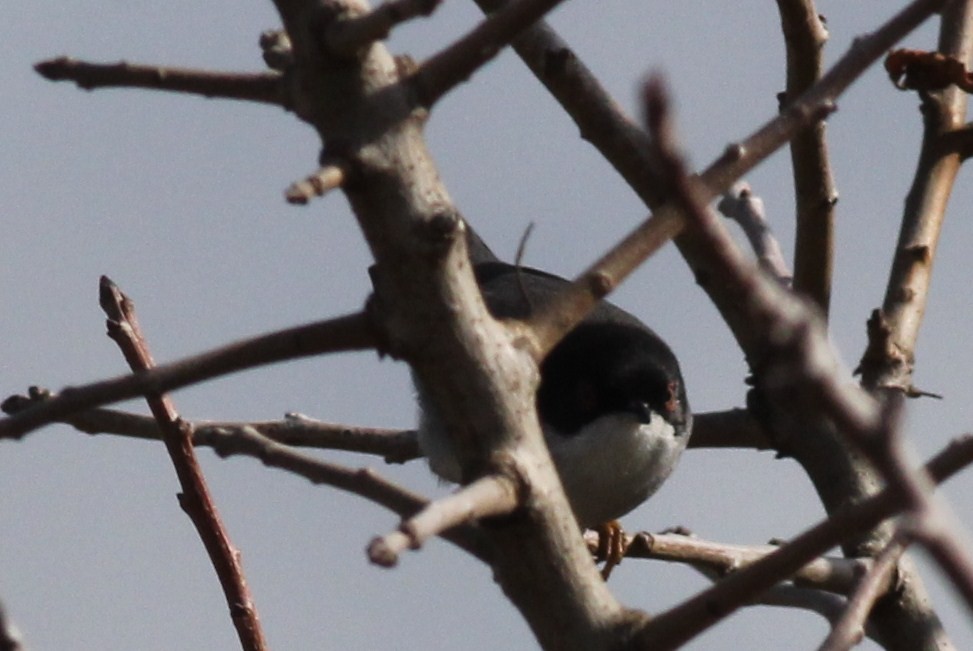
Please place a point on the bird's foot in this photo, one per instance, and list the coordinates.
(611, 546)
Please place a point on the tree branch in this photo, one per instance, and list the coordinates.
(799, 362)
(348, 35)
(925, 206)
(850, 628)
(836, 575)
(450, 67)
(352, 332)
(363, 482)
(429, 310)
(490, 496)
(266, 88)
(747, 210)
(195, 498)
(669, 629)
(815, 193)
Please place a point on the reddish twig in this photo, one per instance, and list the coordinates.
(194, 499)
(267, 88)
(352, 332)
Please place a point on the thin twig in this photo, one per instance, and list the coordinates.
(814, 188)
(747, 209)
(836, 575)
(733, 428)
(347, 35)
(351, 332)
(194, 498)
(850, 628)
(454, 64)
(326, 179)
(489, 496)
(363, 482)
(265, 87)
(552, 320)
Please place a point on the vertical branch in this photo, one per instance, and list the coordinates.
(815, 194)
(944, 113)
(194, 499)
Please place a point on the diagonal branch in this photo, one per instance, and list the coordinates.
(194, 498)
(873, 585)
(351, 332)
(450, 67)
(799, 360)
(266, 87)
(682, 622)
(566, 310)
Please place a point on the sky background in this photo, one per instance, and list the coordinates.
(179, 200)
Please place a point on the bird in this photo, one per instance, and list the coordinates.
(611, 400)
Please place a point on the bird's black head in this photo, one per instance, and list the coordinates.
(608, 367)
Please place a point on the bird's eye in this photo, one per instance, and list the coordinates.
(672, 403)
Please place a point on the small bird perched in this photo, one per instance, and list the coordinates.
(611, 400)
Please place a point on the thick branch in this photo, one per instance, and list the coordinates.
(352, 332)
(431, 314)
(267, 88)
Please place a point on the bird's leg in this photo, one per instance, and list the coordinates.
(611, 546)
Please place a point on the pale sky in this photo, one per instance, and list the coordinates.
(179, 200)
